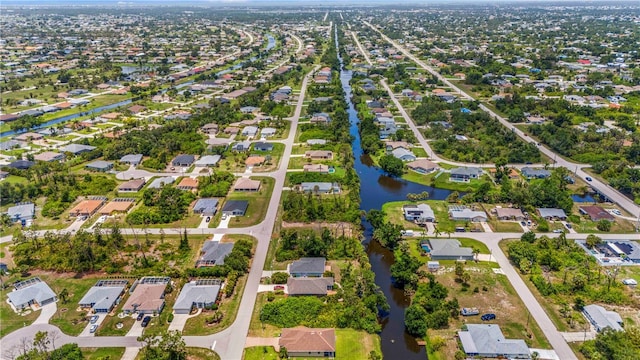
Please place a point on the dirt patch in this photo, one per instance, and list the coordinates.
(337, 229)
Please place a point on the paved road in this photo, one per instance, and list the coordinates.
(578, 169)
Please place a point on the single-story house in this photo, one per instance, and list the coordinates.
(255, 160)
(319, 155)
(403, 154)
(449, 249)
(22, 212)
(319, 168)
(419, 213)
(552, 214)
(88, 207)
(161, 181)
(235, 207)
(29, 136)
(262, 146)
(531, 173)
(268, 132)
(213, 253)
(509, 214)
(316, 142)
(423, 166)
(117, 205)
(21, 164)
(11, 144)
(100, 165)
(183, 160)
(466, 214)
(320, 187)
(248, 109)
(208, 160)
(320, 118)
(249, 131)
(76, 149)
(487, 340)
(241, 146)
(31, 292)
(596, 213)
(465, 174)
(231, 130)
(247, 184)
(188, 183)
(308, 267)
(601, 318)
(210, 129)
(206, 206)
(49, 156)
(309, 286)
(131, 159)
(132, 185)
(147, 296)
(306, 342)
(197, 294)
(103, 296)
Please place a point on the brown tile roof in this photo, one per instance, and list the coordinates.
(246, 184)
(147, 297)
(188, 183)
(596, 213)
(303, 339)
(122, 205)
(254, 160)
(86, 207)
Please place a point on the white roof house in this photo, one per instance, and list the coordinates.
(466, 214)
(31, 292)
(198, 293)
(488, 341)
(22, 212)
(602, 318)
(104, 295)
(208, 160)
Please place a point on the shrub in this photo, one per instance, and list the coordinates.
(279, 278)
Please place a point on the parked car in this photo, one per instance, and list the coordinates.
(487, 317)
(94, 319)
(469, 311)
(208, 218)
(93, 328)
(224, 216)
(523, 223)
(140, 317)
(616, 212)
(568, 226)
(588, 178)
(557, 231)
(278, 287)
(147, 319)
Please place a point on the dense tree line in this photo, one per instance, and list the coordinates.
(613, 345)
(216, 184)
(430, 308)
(310, 207)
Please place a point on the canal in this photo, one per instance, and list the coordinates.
(375, 190)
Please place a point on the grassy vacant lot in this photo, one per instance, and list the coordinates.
(258, 328)
(68, 318)
(260, 353)
(102, 353)
(440, 209)
(258, 203)
(495, 294)
(505, 226)
(440, 180)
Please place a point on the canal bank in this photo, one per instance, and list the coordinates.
(377, 189)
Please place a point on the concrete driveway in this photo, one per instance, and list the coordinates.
(46, 313)
(87, 329)
(136, 329)
(180, 320)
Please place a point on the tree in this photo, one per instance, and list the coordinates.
(64, 294)
(529, 237)
(415, 320)
(169, 346)
(593, 241)
(184, 242)
(283, 353)
(604, 225)
(391, 165)
(465, 277)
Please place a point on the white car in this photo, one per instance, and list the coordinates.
(616, 212)
(224, 216)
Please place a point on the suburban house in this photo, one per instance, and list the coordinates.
(76, 149)
(131, 159)
(319, 187)
(487, 340)
(509, 214)
(403, 154)
(247, 184)
(213, 253)
(318, 286)
(197, 294)
(596, 213)
(100, 165)
(88, 206)
(267, 132)
(552, 214)
(206, 206)
(117, 205)
(49, 156)
(132, 185)
(22, 212)
(306, 342)
(307, 267)
(465, 174)
(320, 118)
(449, 249)
(423, 166)
(419, 213)
(255, 160)
(319, 168)
(250, 131)
(188, 183)
(601, 318)
(241, 146)
(461, 213)
(103, 296)
(183, 160)
(319, 155)
(147, 296)
(21, 164)
(208, 160)
(531, 173)
(31, 292)
(160, 182)
(235, 207)
(262, 146)
(210, 129)
(316, 142)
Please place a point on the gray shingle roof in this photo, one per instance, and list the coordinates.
(488, 339)
(194, 293)
(206, 205)
(157, 183)
(601, 318)
(76, 148)
(215, 252)
(132, 158)
(38, 291)
(308, 286)
(308, 265)
(23, 211)
(102, 297)
(550, 213)
(449, 247)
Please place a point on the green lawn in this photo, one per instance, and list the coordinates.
(419, 152)
(260, 353)
(440, 208)
(102, 353)
(67, 318)
(258, 203)
(356, 345)
(10, 321)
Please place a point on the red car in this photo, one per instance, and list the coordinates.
(278, 287)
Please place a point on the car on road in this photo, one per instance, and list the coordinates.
(208, 219)
(588, 178)
(145, 321)
(487, 317)
(557, 231)
(94, 319)
(568, 226)
(140, 317)
(93, 328)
